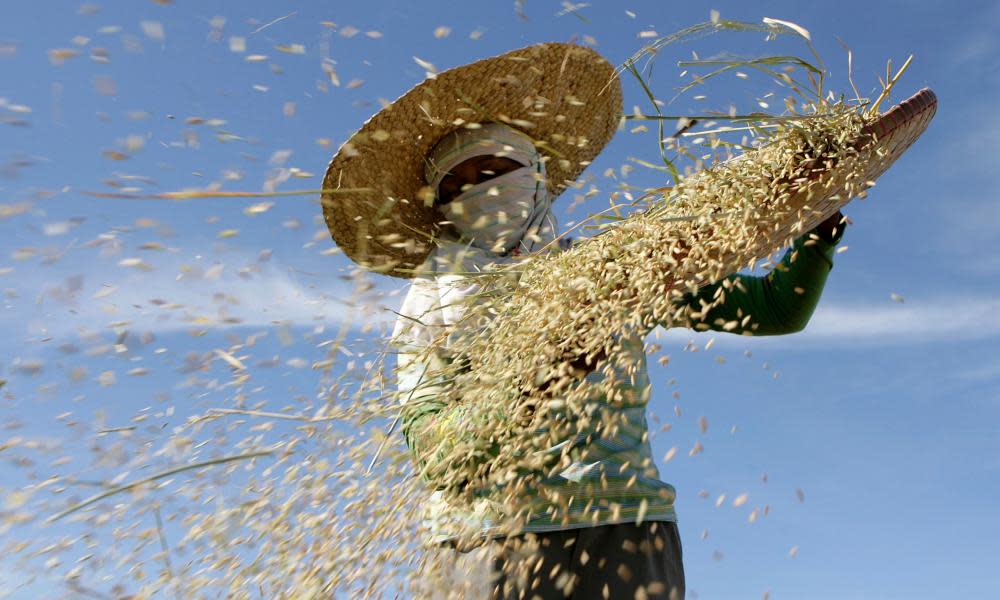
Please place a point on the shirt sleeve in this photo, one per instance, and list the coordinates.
(780, 302)
(438, 431)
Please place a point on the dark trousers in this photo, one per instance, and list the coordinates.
(626, 561)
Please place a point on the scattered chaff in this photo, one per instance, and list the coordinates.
(161, 475)
(537, 329)
(274, 22)
(339, 509)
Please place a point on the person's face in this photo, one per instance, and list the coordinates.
(471, 172)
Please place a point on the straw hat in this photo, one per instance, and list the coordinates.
(566, 97)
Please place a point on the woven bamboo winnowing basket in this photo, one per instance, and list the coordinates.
(566, 312)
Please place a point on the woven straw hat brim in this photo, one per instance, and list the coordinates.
(566, 97)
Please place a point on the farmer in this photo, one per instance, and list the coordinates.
(458, 176)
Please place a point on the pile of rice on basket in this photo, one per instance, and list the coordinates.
(558, 315)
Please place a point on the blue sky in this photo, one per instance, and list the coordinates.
(883, 413)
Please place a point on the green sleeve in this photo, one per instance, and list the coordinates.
(423, 388)
(440, 434)
(778, 303)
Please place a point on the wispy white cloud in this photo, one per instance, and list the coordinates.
(175, 296)
(926, 320)
(915, 321)
(246, 291)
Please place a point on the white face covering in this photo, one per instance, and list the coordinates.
(510, 213)
(507, 214)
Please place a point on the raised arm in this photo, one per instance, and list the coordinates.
(778, 303)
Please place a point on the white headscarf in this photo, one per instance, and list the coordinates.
(509, 213)
(446, 286)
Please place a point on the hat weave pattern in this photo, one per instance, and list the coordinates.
(567, 98)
